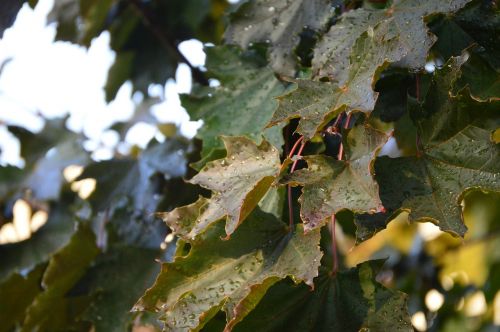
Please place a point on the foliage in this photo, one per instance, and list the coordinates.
(310, 98)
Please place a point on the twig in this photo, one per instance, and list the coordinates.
(294, 165)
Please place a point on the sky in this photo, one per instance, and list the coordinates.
(49, 79)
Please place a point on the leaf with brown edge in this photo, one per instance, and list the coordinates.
(238, 182)
(232, 275)
(316, 103)
(330, 185)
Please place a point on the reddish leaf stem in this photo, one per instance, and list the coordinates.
(301, 138)
(294, 165)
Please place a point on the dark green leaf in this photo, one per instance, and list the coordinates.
(482, 80)
(479, 24)
(47, 154)
(349, 301)
(134, 178)
(316, 103)
(8, 13)
(51, 237)
(432, 186)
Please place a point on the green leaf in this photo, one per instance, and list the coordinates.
(451, 128)
(10, 177)
(349, 301)
(238, 182)
(274, 201)
(47, 312)
(432, 186)
(353, 55)
(241, 105)
(330, 185)
(367, 225)
(332, 54)
(231, 274)
(444, 114)
(405, 20)
(279, 23)
(34, 146)
(144, 35)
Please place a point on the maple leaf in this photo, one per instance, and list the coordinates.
(233, 274)
(330, 185)
(238, 183)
